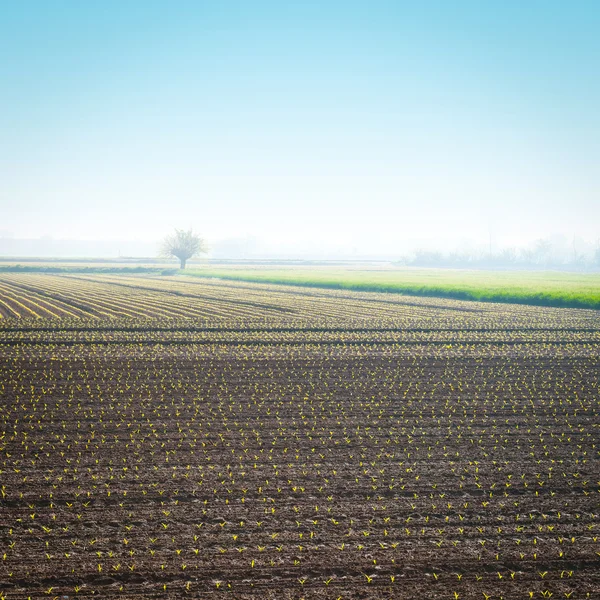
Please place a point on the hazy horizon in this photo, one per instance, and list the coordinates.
(369, 129)
(554, 250)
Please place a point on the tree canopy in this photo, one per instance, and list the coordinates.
(183, 245)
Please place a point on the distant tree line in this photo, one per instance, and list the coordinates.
(543, 255)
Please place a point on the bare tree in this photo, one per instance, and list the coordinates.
(183, 245)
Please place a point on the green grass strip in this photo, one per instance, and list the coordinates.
(559, 289)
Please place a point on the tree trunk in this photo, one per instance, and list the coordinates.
(182, 262)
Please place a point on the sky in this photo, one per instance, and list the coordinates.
(373, 126)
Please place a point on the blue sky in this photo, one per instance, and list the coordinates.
(369, 125)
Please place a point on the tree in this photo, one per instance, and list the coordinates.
(183, 245)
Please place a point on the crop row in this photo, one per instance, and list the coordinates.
(76, 297)
(203, 439)
(302, 337)
(202, 473)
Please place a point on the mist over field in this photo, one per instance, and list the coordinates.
(556, 252)
(300, 130)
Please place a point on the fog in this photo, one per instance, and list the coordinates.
(353, 130)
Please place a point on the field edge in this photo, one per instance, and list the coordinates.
(546, 299)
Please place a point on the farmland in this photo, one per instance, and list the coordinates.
(168, 437)
(538, 288)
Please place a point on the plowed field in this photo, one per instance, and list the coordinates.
(166, 438)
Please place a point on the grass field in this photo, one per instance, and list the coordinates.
(541, 288)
